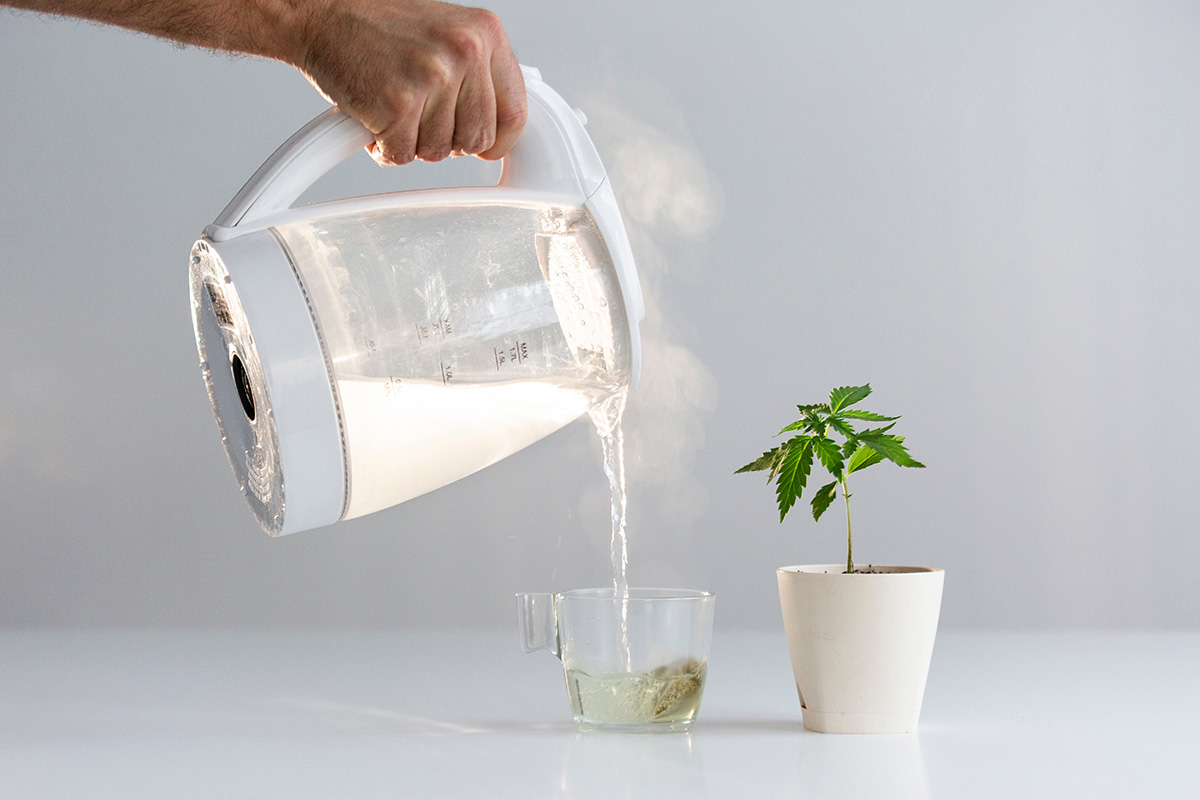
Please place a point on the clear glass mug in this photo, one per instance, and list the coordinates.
(632, 664)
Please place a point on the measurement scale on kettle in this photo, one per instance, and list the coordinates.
(363, 351)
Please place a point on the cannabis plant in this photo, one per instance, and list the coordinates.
(819, 427)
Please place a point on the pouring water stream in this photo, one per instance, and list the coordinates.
(606, 416)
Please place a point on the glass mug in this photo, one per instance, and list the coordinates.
(633, 664)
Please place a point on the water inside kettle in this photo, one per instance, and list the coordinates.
(451, 349)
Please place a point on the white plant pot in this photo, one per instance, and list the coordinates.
(860, 644)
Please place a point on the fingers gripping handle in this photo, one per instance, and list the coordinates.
(554, 155)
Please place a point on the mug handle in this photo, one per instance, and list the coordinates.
(554, 156)
(538, 622)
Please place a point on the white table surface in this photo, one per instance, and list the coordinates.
(440, 714)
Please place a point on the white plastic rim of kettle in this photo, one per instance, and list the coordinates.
(272, 390)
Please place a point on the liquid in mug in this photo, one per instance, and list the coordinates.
(668, 694)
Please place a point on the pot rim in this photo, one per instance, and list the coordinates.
(840, 569)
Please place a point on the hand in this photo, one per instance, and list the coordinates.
(429, 79)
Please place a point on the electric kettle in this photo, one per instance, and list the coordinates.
(360, 352)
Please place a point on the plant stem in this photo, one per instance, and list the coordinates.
(849, 535)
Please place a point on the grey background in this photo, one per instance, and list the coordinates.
(990, 210)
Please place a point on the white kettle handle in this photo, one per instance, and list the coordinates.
(554, 155)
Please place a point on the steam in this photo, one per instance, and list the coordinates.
(669, 203)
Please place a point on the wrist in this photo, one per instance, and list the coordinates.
(288, 21)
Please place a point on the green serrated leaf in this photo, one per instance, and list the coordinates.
(796, 442)
(892, 448)
(812, 407)
(830, 454)
(846, 396)
(822, 499)
(767, 460)
(872, 432)
(793, 475)
(841, 426)
(816, 423)
(866, 416)
(862, 458)
(798, 425)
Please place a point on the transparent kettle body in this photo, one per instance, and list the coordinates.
(363, 351)
(458, 334)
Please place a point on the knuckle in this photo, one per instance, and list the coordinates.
(438, 70)
(483, 141)
(467, 46)
(488, 23)
(398, 104)
(474, 37)
(470, 145)
(512, 117)
(433, 152)
(397, 152)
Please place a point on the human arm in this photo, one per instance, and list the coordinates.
(427, 78)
